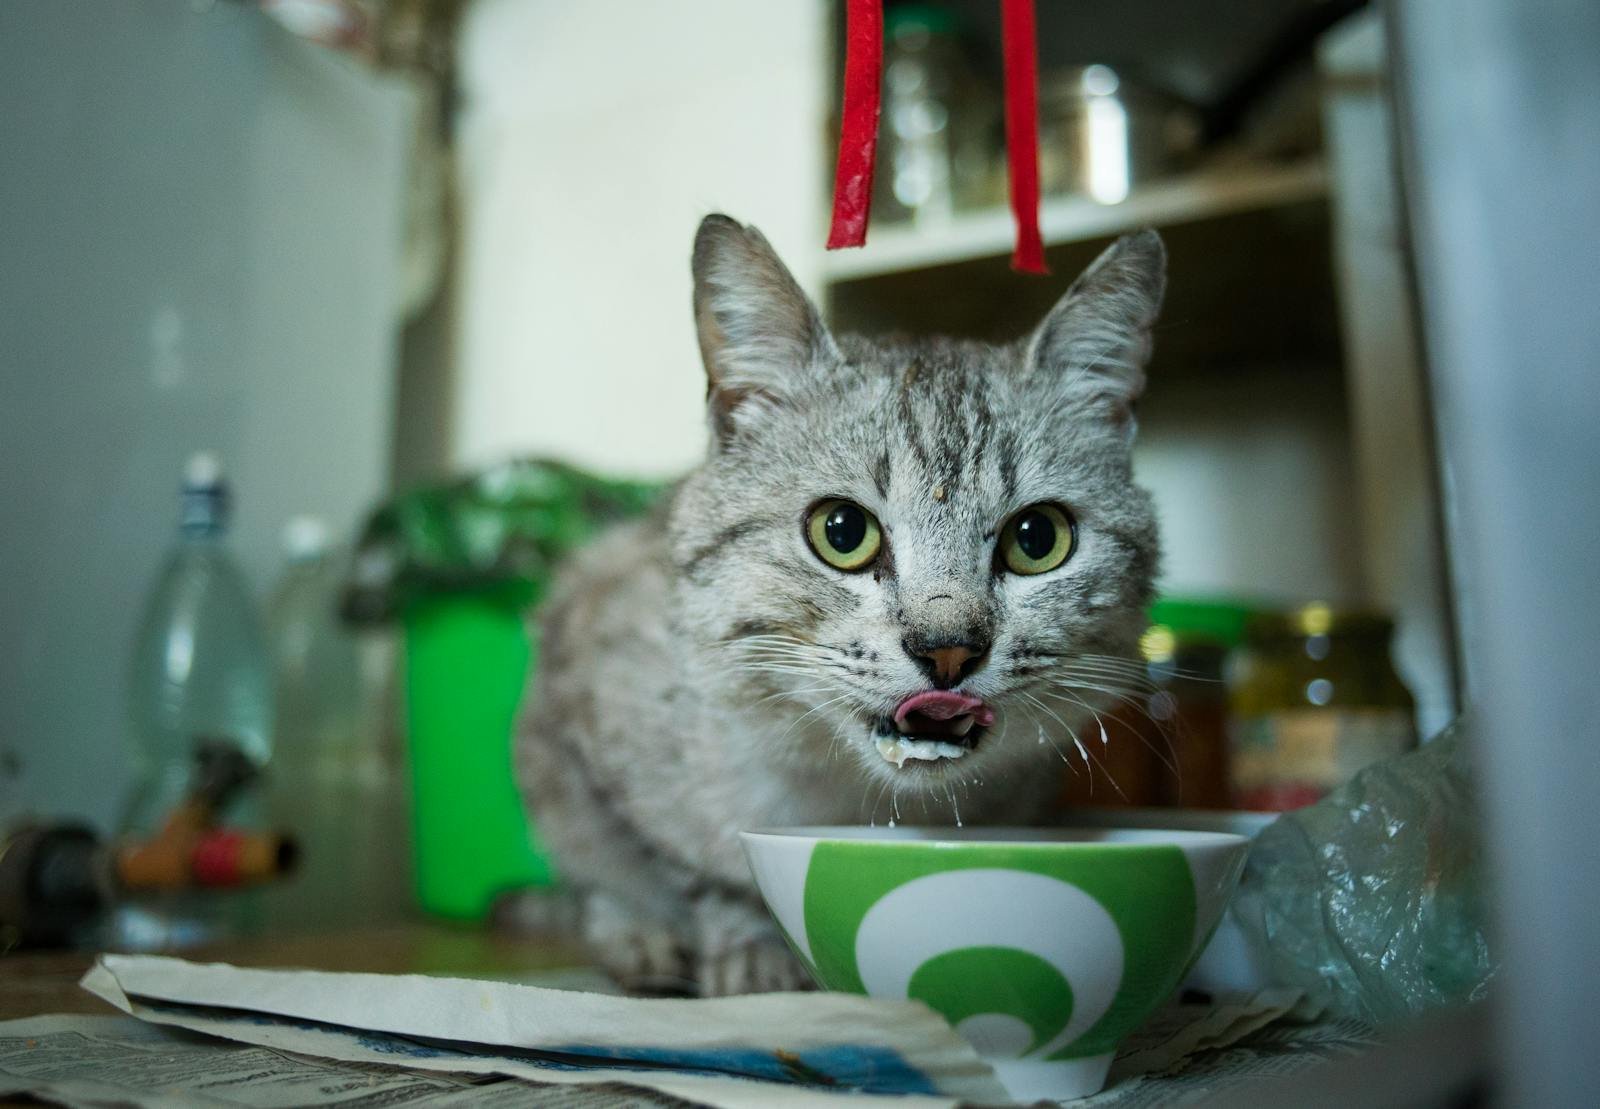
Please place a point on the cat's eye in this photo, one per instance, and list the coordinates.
(1037, 539)
(844, 535)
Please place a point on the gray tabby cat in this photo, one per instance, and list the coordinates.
(902, 581)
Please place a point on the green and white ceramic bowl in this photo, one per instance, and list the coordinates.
(1043, 947)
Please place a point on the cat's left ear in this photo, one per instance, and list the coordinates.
(759, 333)
(1096, 340)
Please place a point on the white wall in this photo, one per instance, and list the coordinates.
(1258, 509)
(593, 137)
(199, 241)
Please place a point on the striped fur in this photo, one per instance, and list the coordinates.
(703, 671)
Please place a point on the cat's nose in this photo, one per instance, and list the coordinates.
(947, 662)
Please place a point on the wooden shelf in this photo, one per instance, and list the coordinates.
(1197, 196)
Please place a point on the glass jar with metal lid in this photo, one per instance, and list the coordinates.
(939, 121)
(1315, 697)
(1186, 649)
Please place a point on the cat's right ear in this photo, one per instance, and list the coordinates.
(1096, 340)
(759, 333)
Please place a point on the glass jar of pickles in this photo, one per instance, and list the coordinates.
(1314, 698)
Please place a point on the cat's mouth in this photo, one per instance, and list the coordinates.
(933, 726)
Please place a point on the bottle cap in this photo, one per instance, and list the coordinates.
(204, 498)
(202, 471)
(304, 538)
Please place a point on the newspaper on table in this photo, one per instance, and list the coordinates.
(765, 1049)
(90, 1062)
(1195, 1055)
(1182, 1030)
(308, 1038)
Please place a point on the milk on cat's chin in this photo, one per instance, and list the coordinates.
(955, 786)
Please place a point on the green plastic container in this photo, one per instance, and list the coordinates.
(460, 566)
(467, 659)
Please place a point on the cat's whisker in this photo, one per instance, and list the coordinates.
(950, 796)
(1110, 668)
(815, 671)
(1074, 699)
(1100, 766)
(1108, 683)
(771, 668)
(862, 807)
(1163, 728)
(1133, 698)
(783, 693)
(745, 640)
(773, 656)
(888, 784)
(1120, 660)
(1088, 759)
(802, 657)
(803, 717)
(1134, 671)
(778, 666)
(781, 656)
(796, 647)
(1090, 762)
(1137, 678)
(1168, 759)
(1112, 693)
(776, 648)
(1048, 710)
(1043, 738)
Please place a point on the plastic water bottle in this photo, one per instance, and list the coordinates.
(200, 674)
(334, 783)
(316, 676)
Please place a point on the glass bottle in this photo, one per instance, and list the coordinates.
(1315, 697)
(1165, 739)
(938, 119)
(1188, 704)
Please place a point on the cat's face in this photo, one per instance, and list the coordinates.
(931, 555)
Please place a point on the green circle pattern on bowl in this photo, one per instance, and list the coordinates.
(961, 983)
(846, 879)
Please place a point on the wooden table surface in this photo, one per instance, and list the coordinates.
(33, 983)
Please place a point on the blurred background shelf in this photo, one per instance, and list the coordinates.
(1063, 220)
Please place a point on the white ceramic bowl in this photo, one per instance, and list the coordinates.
(1043, 947)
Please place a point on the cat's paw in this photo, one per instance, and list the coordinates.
(641, 952)
(741, 951)
(761, 966)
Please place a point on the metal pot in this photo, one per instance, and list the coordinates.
(1101, 135)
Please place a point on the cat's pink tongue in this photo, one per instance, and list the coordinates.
(939, 704)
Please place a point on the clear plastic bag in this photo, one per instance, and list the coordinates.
(1373, 899)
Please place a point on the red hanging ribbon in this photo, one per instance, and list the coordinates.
(1019, 48)
(858, 125)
